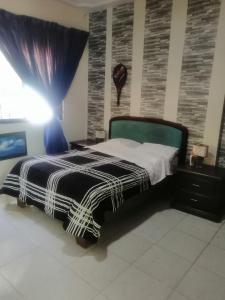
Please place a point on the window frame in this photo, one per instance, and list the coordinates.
(13, 120)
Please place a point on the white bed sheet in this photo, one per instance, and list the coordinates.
(157, 163)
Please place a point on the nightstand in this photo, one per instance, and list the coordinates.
(200, 191)
(79, 145)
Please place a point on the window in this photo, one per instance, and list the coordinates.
(19, 101)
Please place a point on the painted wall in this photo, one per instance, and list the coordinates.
(175, 56)
(75, 105)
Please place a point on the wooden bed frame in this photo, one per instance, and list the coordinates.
(141, 129)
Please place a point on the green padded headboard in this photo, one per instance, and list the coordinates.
(150, 130)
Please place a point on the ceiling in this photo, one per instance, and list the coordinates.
(90, 3)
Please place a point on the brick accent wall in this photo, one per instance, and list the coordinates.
(200, 36)
(122, 37)
(156, 52)
(96, 71)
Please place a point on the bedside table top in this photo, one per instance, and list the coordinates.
(205, 170)
(85, 142)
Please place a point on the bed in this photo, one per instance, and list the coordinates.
(78, 187)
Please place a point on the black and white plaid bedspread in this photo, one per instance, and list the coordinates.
(76, 187)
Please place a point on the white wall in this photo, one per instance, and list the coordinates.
(75, 105)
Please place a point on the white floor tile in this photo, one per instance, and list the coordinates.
(158, 225)
(18, 217)
(163, 265)
(174, 213)
(64, 285)
(100, 297)
(177, 296)
(7, 292)
(4, 201)
(31, 220)
(30, 264)
(59, 269)
(39, 276)
(13, 247)
(129, 247)
(98, 267)
(135, 284)
(28, 268)
(198, 227)
(219, 239)
(6, 230)
(63, 247)
(200, 284)
(213, 259)
(182, 244)
(44, 231)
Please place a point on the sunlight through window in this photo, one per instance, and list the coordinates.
(18, 101)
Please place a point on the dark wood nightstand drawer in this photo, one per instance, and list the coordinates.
(196, 184)
(198, 201)
(200, 191)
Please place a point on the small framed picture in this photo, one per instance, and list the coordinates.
(12, 145)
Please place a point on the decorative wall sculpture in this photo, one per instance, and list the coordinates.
(119, 78)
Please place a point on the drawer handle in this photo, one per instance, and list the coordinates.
(196, 185)
(193, 200)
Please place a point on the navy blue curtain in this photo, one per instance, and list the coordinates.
(45, 55)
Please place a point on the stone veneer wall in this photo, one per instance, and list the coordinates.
(156, 51)
(201, 29)
(96, 71)
(196, 69)
(122, 36)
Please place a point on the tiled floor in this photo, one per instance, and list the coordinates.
(144, 254)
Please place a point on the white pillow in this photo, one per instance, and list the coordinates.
(159, 149)
(125, 142)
